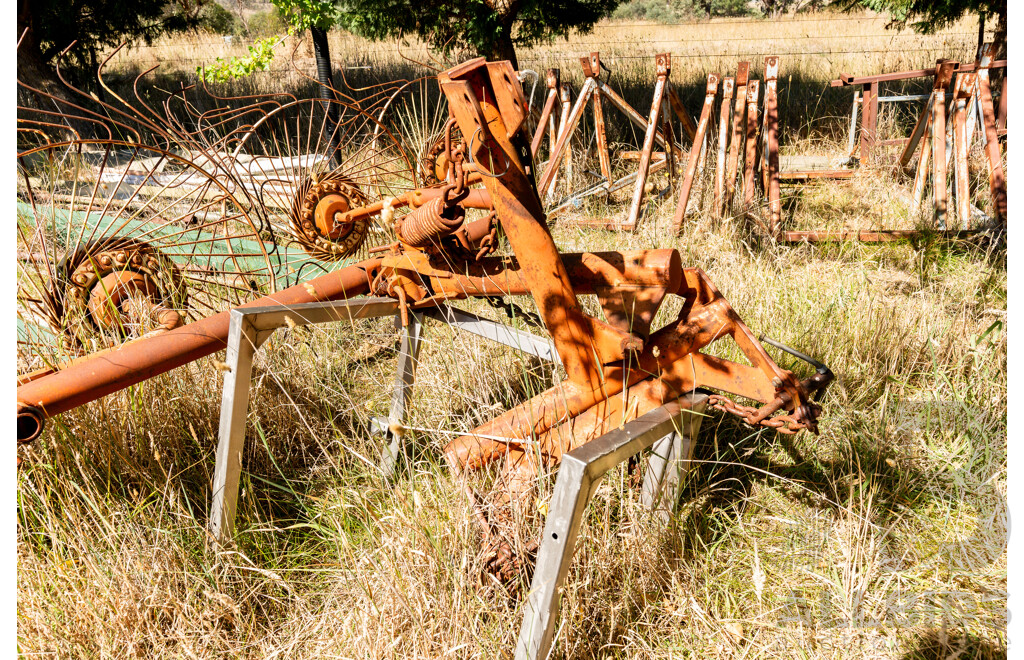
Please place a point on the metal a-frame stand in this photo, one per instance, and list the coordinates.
(670, 429)
(251, 327)
(657, 129)
(944, 132)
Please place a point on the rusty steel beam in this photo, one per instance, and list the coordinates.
(723, 144)
(552, 79)
(808, 175)
(566, 160)
(604, 159)
(923, 120)
(695, 151)
(866, 236)
(663, 64)
(846, 79)
(738, 131)
(1001, 119)
(674, 150)
(750, 158)
(939, 143)
(960, 176)
(996, 178)
(771, 129)
(921, 176)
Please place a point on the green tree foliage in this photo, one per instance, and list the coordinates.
(267, 23)
(492, 28)
(661, 11)
(216, 19)
(302, 15)
(261, 54)
(929, 15)
(96, 25)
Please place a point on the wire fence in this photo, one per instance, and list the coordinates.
(355, 54)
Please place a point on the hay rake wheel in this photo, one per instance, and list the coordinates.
(416, 113)
(304, 171)
(116, 240)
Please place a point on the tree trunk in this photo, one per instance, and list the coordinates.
(1000, 35)
(322, 51)
(32, 66)
(504, 49)
(33, 70)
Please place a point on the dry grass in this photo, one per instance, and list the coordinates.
(882, 537)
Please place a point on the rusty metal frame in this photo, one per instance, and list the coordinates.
(663, 65)
(944, 137)
(771, 131)
(870, 99)
(696, 152)
(738, 131)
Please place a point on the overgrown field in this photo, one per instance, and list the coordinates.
(882, 537)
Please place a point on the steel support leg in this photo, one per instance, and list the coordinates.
(770, 159)
(724, 124)
(408, 358)
(696, 152)
(234, 407)
(739, 118)
(663, 65)
(249, 328)
(578, 475)
(750, 157)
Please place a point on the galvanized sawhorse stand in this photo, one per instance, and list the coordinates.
(672, 430)
(250, 327)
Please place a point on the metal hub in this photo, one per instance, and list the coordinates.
(433, 165)
(123, 287)
(126, 299)
(318, 218)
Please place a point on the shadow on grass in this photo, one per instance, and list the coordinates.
(940, 645)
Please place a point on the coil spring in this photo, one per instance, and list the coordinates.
(432, 221)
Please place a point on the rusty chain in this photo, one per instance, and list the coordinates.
(789, 424)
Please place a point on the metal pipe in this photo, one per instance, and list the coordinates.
(95, 376)
(89, 379)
